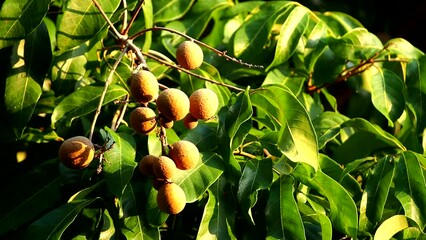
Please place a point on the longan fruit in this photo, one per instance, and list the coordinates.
(164, 168)
(189, 55)
(144, 86)
(165, 122)
(173, 103)
(171, 198)
(190, 122)
(185, 154)
(203, 103)
(146, 164)
(76, 152)
(142, 120)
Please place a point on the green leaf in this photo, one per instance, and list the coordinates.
(362, 125)
(18, 18)
(233, 127)
(82, 21)
(391, 226)
(203, 136)
(35, 188)
(53, 224)
(297, 139)
(249, 40)
(197, 180)
(290, 34)
(327, 127)
(286, 77)
(22, 93)
(387, 93)
(343, 211)
(82, 102)
(119, 162)
(410, 186)
(166, 11)
(135, 224)
(257, 175)
(283, 219)
(339, 23)
(377, 189)
(358, 44)
(219, 215)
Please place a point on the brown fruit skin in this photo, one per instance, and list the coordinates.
(173, 103)
(185, 154)
(144, 86)
(171, 198)
(189, 55)
(146, 165)
(142, 120)
(203, 103)
(165, 122)
(190, 122)
(76, 152)
(164, 168)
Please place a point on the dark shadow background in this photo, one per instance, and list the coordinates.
(387, 19)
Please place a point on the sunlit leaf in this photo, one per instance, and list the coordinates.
(297, 139)
(18, 18)
(197, 180)
(82, 21)
(391, 226)
(82, 102)
(119, 162)
(410, 186)
(218, 217)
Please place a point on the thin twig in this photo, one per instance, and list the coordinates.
(116, 33)
(191, 73)
(218, 52)
(107, 83)
(138, 9)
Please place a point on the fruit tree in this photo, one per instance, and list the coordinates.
(207, 119)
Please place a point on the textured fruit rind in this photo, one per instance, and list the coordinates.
(185, 154)
(171, 198)
(189, 55)
(146, 165)
(203, 103)
(76, 152)
(173, 103)
(144, 86)
(142, 120)
(164, 168)
(190, 122)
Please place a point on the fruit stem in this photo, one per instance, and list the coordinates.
(127, 28)
(107, 83)
(218, 52)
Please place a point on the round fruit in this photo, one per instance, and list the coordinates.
(203, 103)
(171, 198)
(146, 163)
(185, 154)
(189, 55)
(189, 121)
(164, 168)
(76, 152)
(142, 120)
(144, 86)
(173, 103)
(165, 122)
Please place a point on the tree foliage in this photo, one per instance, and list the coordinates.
(319, 133)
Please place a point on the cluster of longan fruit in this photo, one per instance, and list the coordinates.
(182, 155)
(172, 105)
